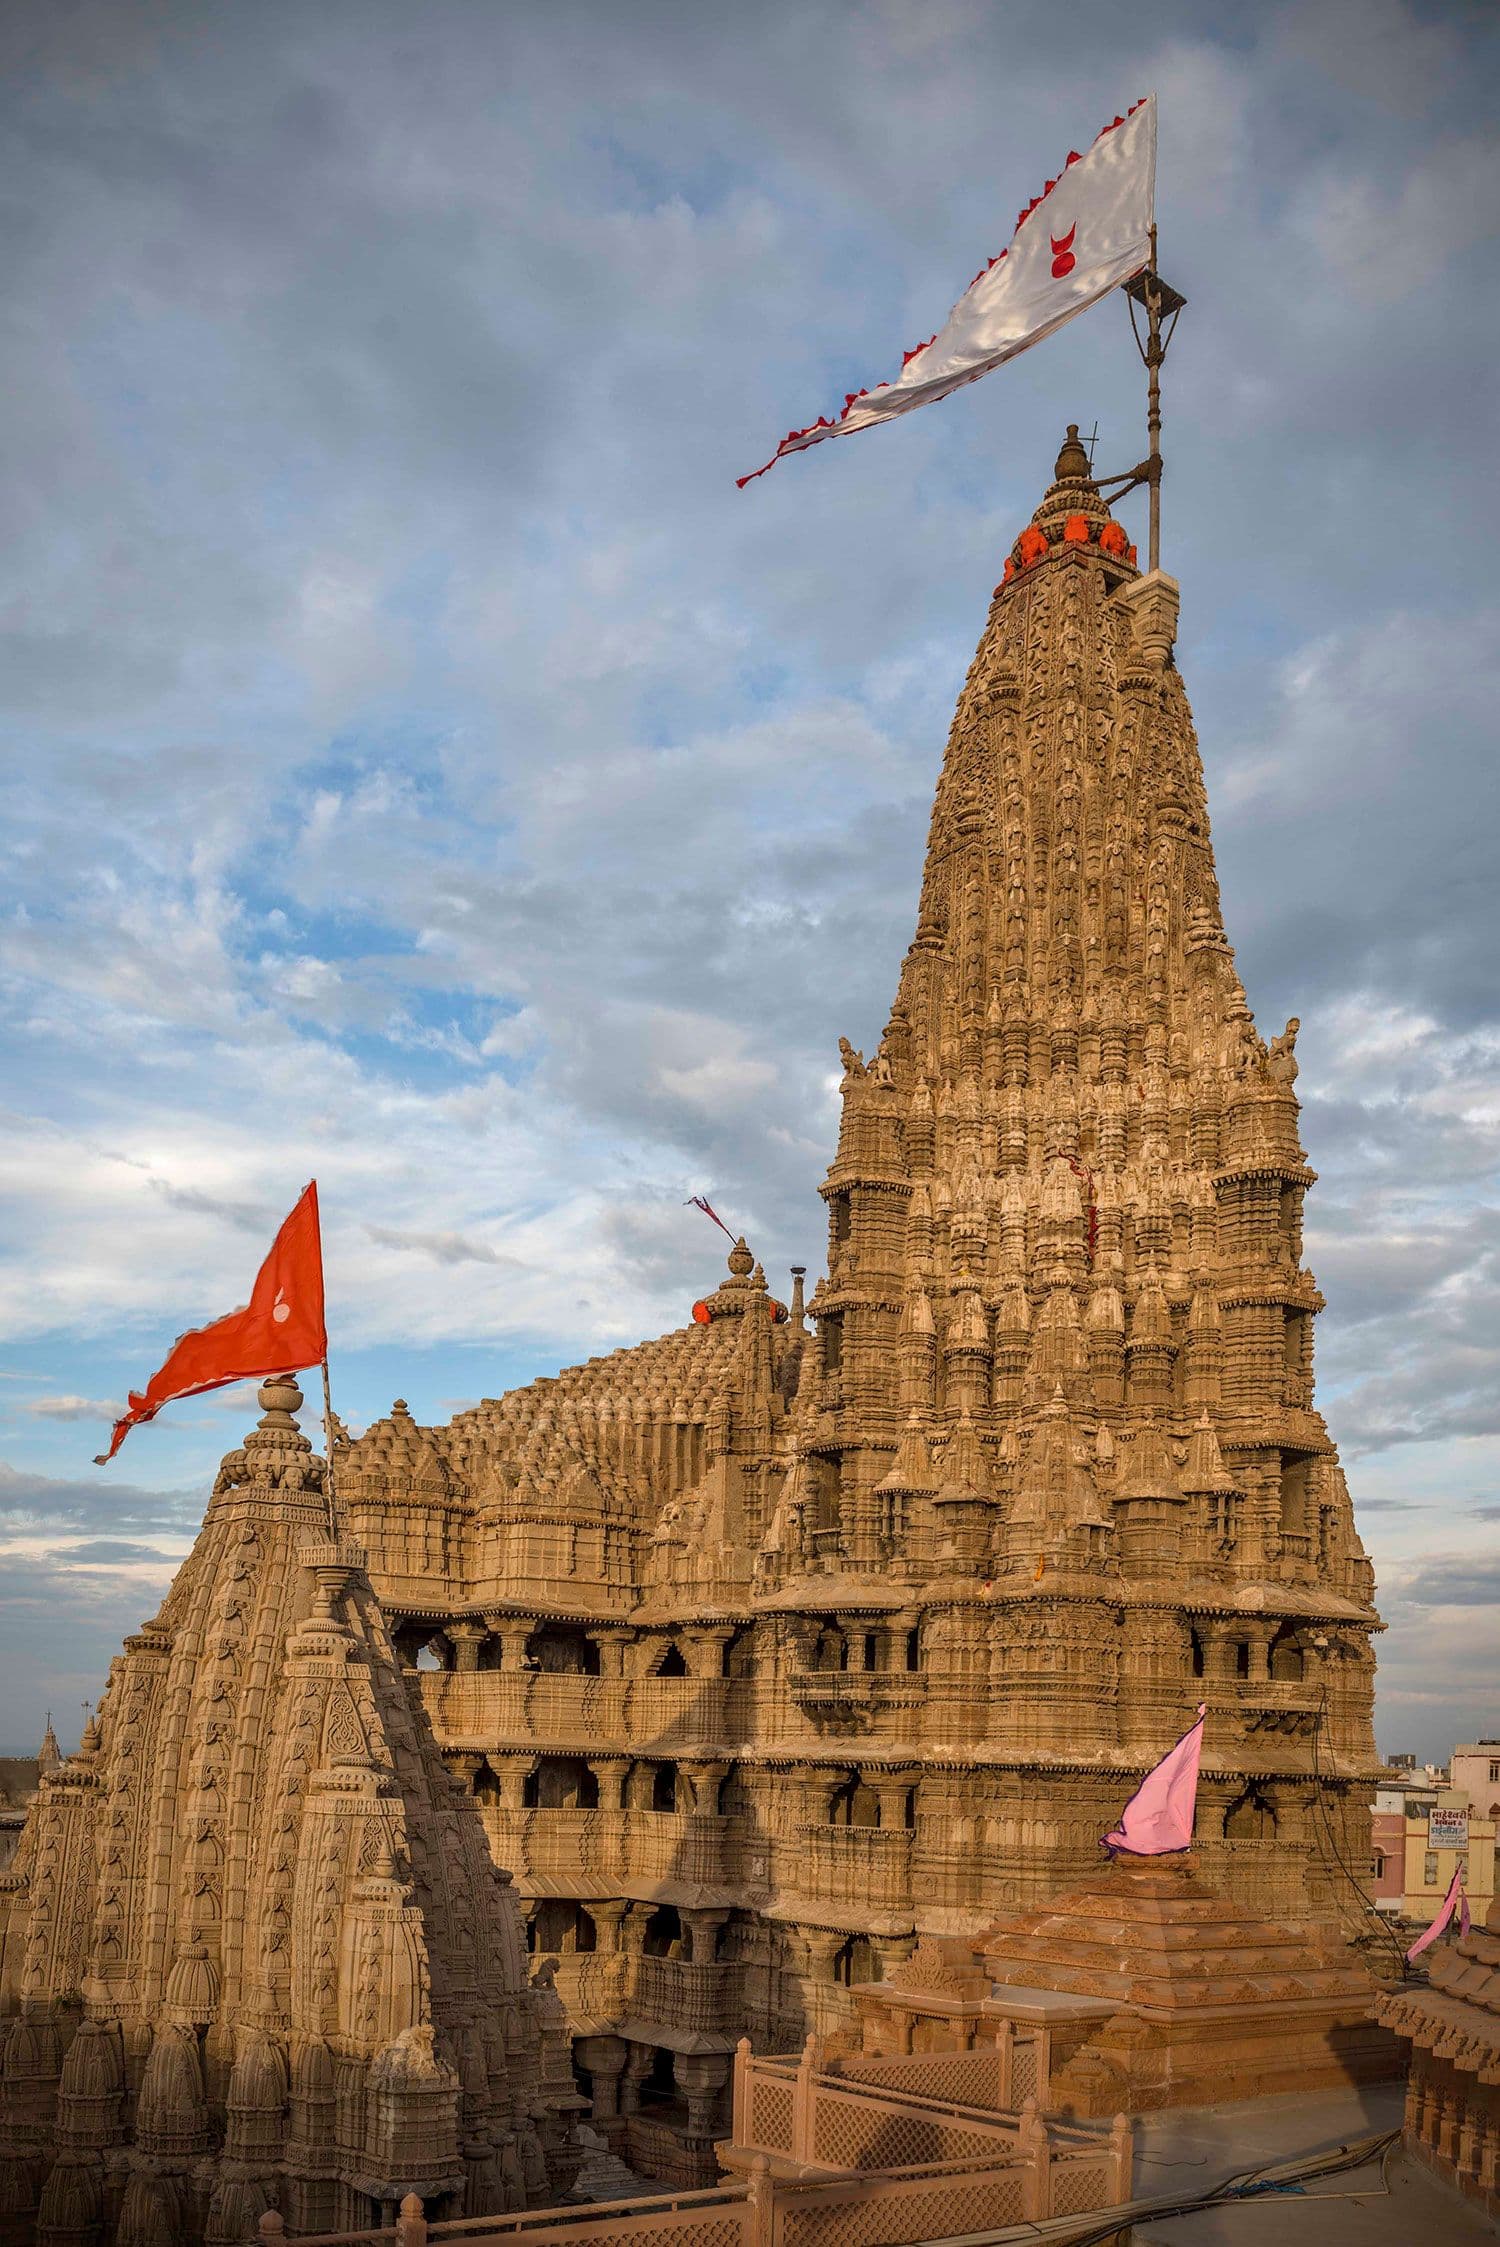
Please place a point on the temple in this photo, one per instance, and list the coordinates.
(763, 1650)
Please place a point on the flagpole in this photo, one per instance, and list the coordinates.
(1157, 298)
(333, 1519)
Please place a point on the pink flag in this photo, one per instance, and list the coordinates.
(1456, 1900)
(1159, 1815)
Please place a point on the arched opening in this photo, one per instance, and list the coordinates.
(854, 1804)
(871, 1649)
(664, 1787)
(914, 1650)
(561, 1782)
(1287, 1663)
(559, 1927)
(563, 1650)
(1242, 1658)
(1196, 1645)
(663, 1936)
(856, 1962)
(1250, 1817)
(672, 1663)
(1294, 1491)
(486, 1789)
(429, 1657)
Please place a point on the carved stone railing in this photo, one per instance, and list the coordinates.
(796, 2109)
(662, 1716)
(850, 1864)
(613, 1846)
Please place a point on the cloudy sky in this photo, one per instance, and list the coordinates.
(427, 771)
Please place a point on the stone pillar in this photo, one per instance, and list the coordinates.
(704, 1650)
(701, 2077)
(704, 1779)
(609, 1916)
(604, 2057)
(815, 1783)
(464, 1767)
(892, 1789)
(466, 1638)
(1259, 1637)
(512, 1631)
(893, 1951)
(823, 1947)
(612, 1645)
(610, 1771)
(512, 1771)
(1219, 1641)
(638, 2058)
(702, 1931)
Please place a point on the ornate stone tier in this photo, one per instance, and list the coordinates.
(1142, 1987)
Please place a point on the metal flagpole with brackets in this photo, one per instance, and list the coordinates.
(328, 1441)
(1161, 304)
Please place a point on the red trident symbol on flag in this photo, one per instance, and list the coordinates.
(1063, 260)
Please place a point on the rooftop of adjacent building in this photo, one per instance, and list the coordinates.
(1389, 2201)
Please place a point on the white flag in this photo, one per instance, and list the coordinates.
(1087, 231)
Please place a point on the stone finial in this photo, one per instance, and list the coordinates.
(1073, 461)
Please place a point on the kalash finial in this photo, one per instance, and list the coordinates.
(1073, 461)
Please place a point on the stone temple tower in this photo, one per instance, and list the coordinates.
(1063, 1390)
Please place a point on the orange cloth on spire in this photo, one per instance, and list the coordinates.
(279, 1330)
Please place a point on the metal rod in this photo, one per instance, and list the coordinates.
(1153, 404)
(333, 1519)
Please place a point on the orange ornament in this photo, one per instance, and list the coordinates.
(1112, 539)
(701, 1314)
(1007, 573)
(1076, 530)
(1032, 547)
(1130, 557)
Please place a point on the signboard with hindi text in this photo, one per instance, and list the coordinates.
(1447, 1829)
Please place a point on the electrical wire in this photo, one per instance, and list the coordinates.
(1102, 2225)
(1320, 1722)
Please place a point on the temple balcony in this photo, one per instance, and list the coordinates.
(659, 1714)
(599, 1851)
(606, 1988)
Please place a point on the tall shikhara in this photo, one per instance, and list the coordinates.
(1065, 1390)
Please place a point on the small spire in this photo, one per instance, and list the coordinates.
(50, 1758)
(798, 1312)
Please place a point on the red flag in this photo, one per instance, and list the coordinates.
(279, 1330)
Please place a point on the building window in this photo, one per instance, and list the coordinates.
(1429, 1869)
(1495, 1774)
(1377, 1865)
